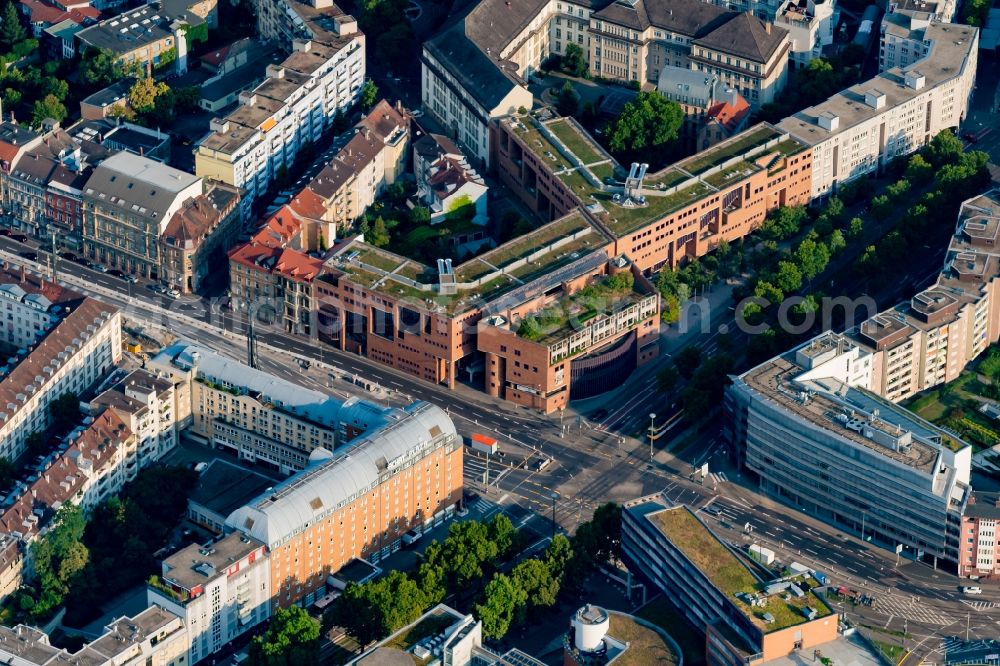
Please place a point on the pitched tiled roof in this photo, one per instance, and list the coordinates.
(746, 36)
(59, 482)
(359, 152)
(195, 220)
(41, 12)
(729, 115)
(687, 17)
(383, 120)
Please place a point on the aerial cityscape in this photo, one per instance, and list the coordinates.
(499, 332)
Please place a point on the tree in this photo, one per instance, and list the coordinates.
(573, 61)
(537, 582)
(558, 555)
(836, 241)
(567, 101)
(646, 125)
(11, 30)
(466, 549)
(812, 257)
(502, 533)
(919, 170)
(143, 94)
(501, 600)
(784, 222)
(856, 227)
(369, 94)
(46, 108)
(100, 67)
(788, 277)
(944, 148)
(379, 235)
(881, 207)
(769, 292)
(688, 360)
(671, 312)
(897, 189)
(420, 215)
(292, 639)
(666, 378)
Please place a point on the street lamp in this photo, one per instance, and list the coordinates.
(554, 497)
(652, 428)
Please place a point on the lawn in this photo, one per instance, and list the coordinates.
(955, 406)
(724, 151)
(575, 142)
(893, 652)
(662, 614)
(645, 646)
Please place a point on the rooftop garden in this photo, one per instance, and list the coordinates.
(732, 576)
(729, 149)
(530, 243)
(579, 145)
(722, 178)
(623, 221)
(557, 319)
(645, 646)
(430, 626)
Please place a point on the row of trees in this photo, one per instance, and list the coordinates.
(476, 561)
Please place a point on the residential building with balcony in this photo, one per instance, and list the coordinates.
(294, 106)
(930, 340)
(154, 636)
(356, 502)
(446, 181)
(220, 590)
(712, 112)
(146, 404)
(61, 341)
(255, 415)
(146, 38)
(902, 40)
(747, 620)
(980, 550)
(807, 426)
(680, 212)
(861, 129)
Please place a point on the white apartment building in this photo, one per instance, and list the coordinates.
(902, 40)
(146, 403)
(859, 130)
(293, 106)
(154, 637)
(61, 341)
(930, 339)
(810, 25)
(260, 417)
(220, 591)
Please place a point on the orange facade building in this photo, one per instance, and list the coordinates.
(357, 502)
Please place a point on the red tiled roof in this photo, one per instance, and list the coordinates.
(42, 12)
(286, 262)
(730, 115)
(8, 152)
(65, 476)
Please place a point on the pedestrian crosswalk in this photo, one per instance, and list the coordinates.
(949, 643)
(718, 476)
(481, 506)
(909, 608)
(980, 605)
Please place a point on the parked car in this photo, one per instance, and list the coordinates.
(68, 256)
(30, 256)
(114, 272)
(411, 537)
(100, 268)
(5, 232)
(972, 589)
(20, 238)
(131, 279)
(172, 293)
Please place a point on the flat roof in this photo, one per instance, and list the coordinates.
(197, 565)
(561, 145)
(946, 59)
(732, 576)
(224, 487)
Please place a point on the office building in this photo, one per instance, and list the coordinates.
(746, 619)
(812, 433)
(219, 590)
(153, 637)
(56, 341)
(256, 415)
(294, 106)
(150, 220)
(979, 548)
(863, 128)
(681, 212)
(222, 488)
(356, 502)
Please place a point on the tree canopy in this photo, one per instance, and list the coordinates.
(646, 125)
(292, 639)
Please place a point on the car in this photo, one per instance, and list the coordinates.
(81, 260)
(114, 272)
(30, 256)
(972, 589)
(131, 279)
(5, 232)
(172, 293)
(411, 537)
(417, 113)
(541, 464)
(20, 238)
(100, 268)
(156, 288)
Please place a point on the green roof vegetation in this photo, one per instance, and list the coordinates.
(536, 240)
(726, 150)
(432, 625)
(733, 578)
(603, 170)
(381, 260)
(579, 145)
(623, 221)
(645, 646)
(734, 172)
